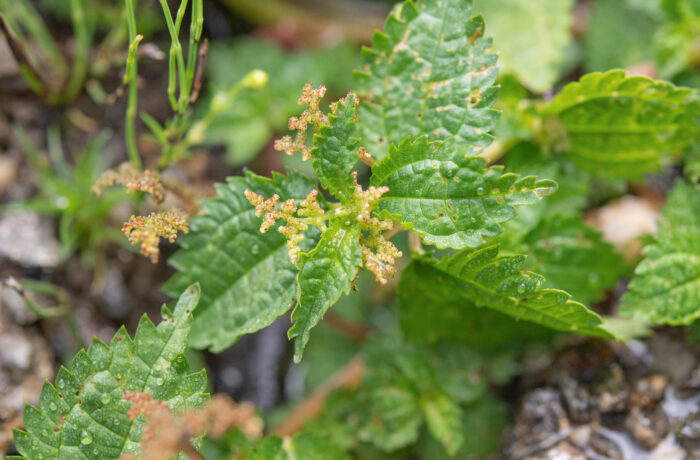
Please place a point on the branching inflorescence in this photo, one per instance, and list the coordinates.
(378, 254)
(147, 230)
(166, 433)
(134, 180)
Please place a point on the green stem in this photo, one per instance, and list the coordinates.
(196, 28)
(131, 77)
(177, 60)
(41, 312)
(63, 309)
(222, 101)
(83, 37)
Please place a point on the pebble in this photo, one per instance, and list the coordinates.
(28, 239)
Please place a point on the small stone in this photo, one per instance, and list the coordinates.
(648, 426)
(8, 168)
(28, 239)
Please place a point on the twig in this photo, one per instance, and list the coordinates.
(394, 230)
(196, 29)
(197, 86)
(191, 452)
(369, 161)
(350, 376)
(358, 332)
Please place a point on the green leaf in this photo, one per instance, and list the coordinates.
(675, 41)
(84, 416)
(623, 126)
(394, 417)
(485, 279)
(325, 273)
(482, 424)
(451, 199)
(533, 38)
(408, 386)
(335, 150)
(304, 446)
(444, 419)
(433, 309)
(573, 257)
(666, 284)
(246, 276)
(429, 72)
(629, 27)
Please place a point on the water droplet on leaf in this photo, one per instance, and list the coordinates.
(85, 438)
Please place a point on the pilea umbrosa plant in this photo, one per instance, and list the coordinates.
(421, 118)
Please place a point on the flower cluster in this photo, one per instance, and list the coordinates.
(313, 116)
(310, 211)
(134, 180)
(379, 255)
(148, 230)
(166, 434)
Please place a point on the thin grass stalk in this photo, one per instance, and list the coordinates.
(196, 27)
(131, 77)
(177, 60)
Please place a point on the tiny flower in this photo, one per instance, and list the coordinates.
(148, 230)
(313, 116)
(134, 180)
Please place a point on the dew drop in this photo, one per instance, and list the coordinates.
(53, 406)
(255, 249)
(60, 384)
(85, 438)
(480, 191)
(104, 398)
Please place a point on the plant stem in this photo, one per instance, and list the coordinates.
(132, 104)
(197, 83)
(131, 77)
(63, 309)
(497, 149)
(355, 331)
(191, 452)
(39, 311)
(414, 244)
(177, 60)
(196, 28)
(349, 376)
